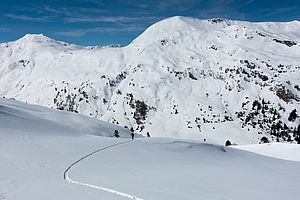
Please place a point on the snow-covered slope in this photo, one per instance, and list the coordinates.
(25, 120)
(33, 163)
(276, 150)
(184, 78)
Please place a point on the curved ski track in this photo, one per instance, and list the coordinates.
(68, 179)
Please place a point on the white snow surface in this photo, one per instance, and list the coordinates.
(25, 120)
(276, 150)
(182, 78)
(33, 162)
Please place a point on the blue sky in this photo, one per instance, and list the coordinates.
(102, 22)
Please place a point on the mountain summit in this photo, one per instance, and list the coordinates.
(212, 79)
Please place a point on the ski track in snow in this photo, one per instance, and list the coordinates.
(68, 179)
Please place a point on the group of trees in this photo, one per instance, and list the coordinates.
(296, 134)
(117, 134)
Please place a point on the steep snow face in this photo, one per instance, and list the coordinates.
(210, 79)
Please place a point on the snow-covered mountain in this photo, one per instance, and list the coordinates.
(210, 79)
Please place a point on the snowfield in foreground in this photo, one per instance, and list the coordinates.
(38, 144)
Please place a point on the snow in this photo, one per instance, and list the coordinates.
(25, 119)
(68, 179)
(277, 150)
(182, 78)
(33, 162)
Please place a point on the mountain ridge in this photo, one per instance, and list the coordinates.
(210, 79)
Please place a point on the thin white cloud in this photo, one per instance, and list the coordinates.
(82, 32)
(111, 19)
(278, 11)
(27, 18)
(225, 9)
(70, 11)
(3, 30)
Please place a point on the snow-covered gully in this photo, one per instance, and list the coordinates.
(68, 179)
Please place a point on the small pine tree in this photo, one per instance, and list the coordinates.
(116, 134)
(227, 143)
(293, 116)
(264, 140)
